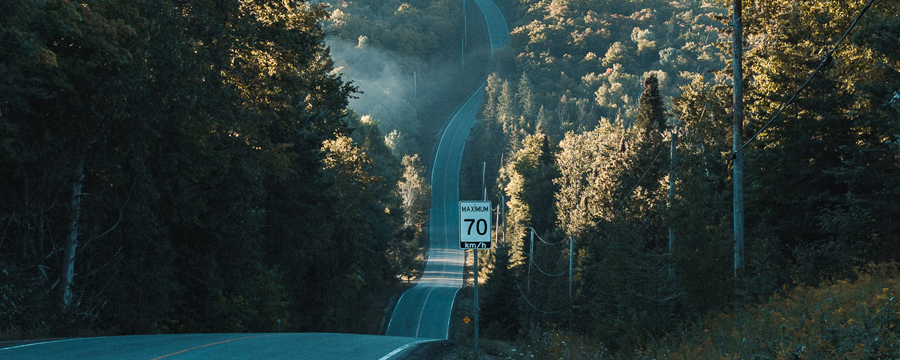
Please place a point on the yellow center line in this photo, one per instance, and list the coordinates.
(207, 345)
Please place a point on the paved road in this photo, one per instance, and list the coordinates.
(498, 32)
(294, 346)
(424, 310)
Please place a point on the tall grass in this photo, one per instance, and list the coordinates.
(839, 319)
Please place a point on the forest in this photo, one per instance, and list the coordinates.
(608, 125)
(172, 166)
(226, 166)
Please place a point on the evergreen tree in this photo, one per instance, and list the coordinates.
(526, 101)
(821, 174)
(651, 114)
(500, 307)
(540, 187)
(177, 149)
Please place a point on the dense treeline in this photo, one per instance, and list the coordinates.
(610, 121)
(173, 166)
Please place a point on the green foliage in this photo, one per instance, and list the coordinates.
(651, 115)
(414, 192)
(840, 319)
(225, 180)
(398, 53)
(530, 177)
(821, 192)
(409, 28)
(553, 342)
(500, 309)
(830, 212)
(703, 250)
(598, 51)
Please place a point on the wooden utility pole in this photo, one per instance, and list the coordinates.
(738, 177)
(673, 152)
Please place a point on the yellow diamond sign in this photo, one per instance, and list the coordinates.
(466, 319)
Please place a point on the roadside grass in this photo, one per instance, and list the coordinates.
(839, 319)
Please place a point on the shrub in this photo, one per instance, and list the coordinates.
(837, 320)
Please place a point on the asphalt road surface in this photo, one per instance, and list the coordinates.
(498, 32)
(424, 310)
(293, 346)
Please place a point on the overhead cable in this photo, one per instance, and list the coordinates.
(544, 272)
(642, 176)
(544, 241)
(535, 307)
(825, 62)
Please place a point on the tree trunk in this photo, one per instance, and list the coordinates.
(67, 275)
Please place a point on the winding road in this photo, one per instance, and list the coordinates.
(424, 310)
(421, 315)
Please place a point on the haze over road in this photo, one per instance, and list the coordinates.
(424, 310)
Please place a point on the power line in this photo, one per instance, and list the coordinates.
(531, 258)
(535, 307)
(825, 62)
(642, 176)
(544, 241)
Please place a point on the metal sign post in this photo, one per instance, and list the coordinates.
(476, 302)
(475, 233)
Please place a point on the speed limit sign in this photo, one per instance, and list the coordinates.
(474, 224)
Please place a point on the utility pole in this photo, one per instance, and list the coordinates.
(571, 249)
(503, 215)
(497, 227)
(673, 152)
(416, 96)
(530, 260)
(483, 188)
(736, 144)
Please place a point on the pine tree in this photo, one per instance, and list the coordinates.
(651, 114)
(539, 189)
(500, 307)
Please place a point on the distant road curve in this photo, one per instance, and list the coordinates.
(318, 346)
(424, 310)
(498, 31)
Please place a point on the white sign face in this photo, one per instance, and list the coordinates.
(474, 224)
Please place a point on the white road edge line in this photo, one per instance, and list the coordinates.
(424, 303)
(391, 321)
(450, 318)
(400, 349)
(41, 343)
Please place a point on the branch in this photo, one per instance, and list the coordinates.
(642, 177)
(121, 214)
